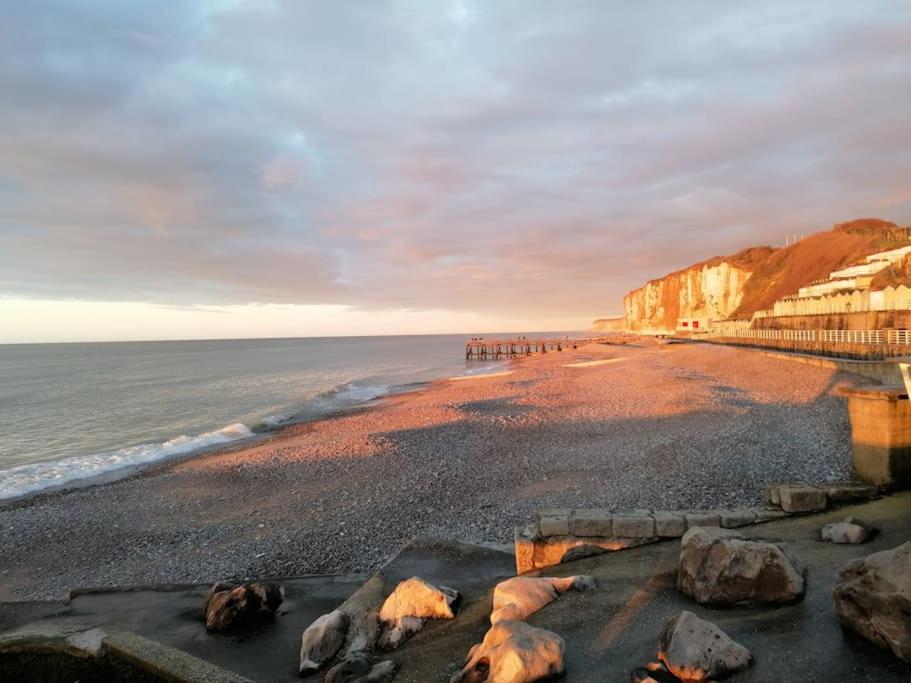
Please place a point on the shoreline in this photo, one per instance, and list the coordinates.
(256, 438)
(684, 426)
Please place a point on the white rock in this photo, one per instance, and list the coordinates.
(849, 531)
(521, 596)
(322, 640)
(403, 613)
(513, 652)
(415, 597)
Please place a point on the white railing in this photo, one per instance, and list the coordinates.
(836, 336)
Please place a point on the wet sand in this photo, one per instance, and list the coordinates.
(679, 426)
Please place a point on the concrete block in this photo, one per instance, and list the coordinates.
(767, 515)
(554, 522)
(702, 518)
(669, 524)
(634, 524)
(881, 435)
(846, 491)
(551, 551)
(525, 549)
(771, 495)
(796, 498)
(591, 522)
(731, 519)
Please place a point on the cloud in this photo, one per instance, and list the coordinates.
(511, 157)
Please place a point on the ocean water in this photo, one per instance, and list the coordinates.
(74, 411)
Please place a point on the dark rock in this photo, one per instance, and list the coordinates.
(696, 650)
(873, 598)
(721, 567)
(229, 606)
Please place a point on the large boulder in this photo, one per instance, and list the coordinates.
(521, 596)
(322, 640)
(513, 652)
(229, 606)
(696, 650)
(409, 605)
(720, 567)
(873, 599)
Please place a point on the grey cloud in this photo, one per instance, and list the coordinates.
(531, 157)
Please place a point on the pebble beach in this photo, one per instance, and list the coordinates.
(682, 426)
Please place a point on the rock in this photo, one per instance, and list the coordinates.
(850, 531)
(796, 498)
(415, 597)
(359, 670)
(322, 640)
(720, 567)
(404, 611)
(696, 650)
(229, 606)
(873, 598)
(513, 652)
(521, 596)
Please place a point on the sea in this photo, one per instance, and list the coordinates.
(80, 411)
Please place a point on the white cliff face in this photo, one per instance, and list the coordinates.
(709, 291)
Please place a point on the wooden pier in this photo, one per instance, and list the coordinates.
(479, 348)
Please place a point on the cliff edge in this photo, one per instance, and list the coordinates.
(734, 287)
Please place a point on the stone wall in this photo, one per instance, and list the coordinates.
(835, 350)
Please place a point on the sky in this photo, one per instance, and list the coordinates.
(245, 168)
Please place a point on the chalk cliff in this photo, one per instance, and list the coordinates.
(734, 287)
(711, 289)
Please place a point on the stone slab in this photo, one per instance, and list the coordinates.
(849, 491)
(592, 522)
(797, 498)
(554, 521)
(702, 518)
(637, 524)
(769, 515)
(732, 519)
(669, 524)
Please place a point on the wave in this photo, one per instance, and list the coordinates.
(28, 478)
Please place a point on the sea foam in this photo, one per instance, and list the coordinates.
(24, 479)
